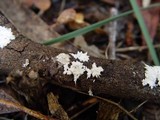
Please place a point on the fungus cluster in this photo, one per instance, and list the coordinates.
(6, 36)
(152, 76)
(76, 67)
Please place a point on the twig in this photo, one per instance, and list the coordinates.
(123, 56)
(136, 108)
(111, 49)
(112, 102)
(134, 48)
(24, 109)
(62, 6)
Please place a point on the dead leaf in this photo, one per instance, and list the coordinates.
(91, 49)
(10, 104)
(66, 16)
(27, 3)
(55, 108)
(53, 104)
(100, 31)
(79, 18)
(43, 5)
(74, 25)
(78, 22)
(5, 108)
(73, 19)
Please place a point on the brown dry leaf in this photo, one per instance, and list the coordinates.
(43, 5)
(14, 105)
(74, 25)
(55, 108)
(3, 107)
(91, 49)
(78, 22)
(27, 3)
(72, 18)
(100, 31)
(66, 16)
(79, 18)
(10, 104)
(53, 104)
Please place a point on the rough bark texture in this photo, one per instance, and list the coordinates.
(122, 79)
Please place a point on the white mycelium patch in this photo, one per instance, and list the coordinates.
(6, 36)
(77, 68)
(90, 92)
(63, 58)
(94, 71)
(152, 76)
(26, 63)
(83, 57)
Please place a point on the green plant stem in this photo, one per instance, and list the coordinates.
(144, 31)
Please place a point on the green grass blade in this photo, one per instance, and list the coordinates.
(144, 31)
(91, 27)
(85, 29)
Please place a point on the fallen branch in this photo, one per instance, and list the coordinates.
(122, 79)
(135, 48)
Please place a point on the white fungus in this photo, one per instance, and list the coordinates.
(94, 71)
(6, 36)
(63, 58)
(90, 92)
(76, 68)
(152, 76)
(83, 57)
(26, 63)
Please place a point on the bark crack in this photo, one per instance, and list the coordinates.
(21, 50)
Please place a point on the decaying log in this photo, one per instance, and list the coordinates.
(122, 79)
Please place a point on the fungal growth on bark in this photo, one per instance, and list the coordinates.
(76, 67)
(6, 36)
(152, 76)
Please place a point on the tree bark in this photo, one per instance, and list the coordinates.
(122, 79)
